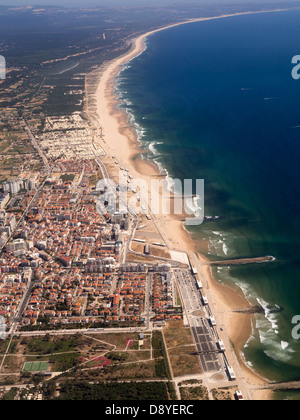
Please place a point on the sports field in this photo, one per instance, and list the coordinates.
(35, 367)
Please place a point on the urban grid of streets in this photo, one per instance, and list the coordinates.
(198, 316)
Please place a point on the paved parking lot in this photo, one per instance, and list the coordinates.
(207, 348)
(197, 318)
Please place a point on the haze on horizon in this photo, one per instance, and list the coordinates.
(95, 3)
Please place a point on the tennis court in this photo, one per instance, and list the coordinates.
(35, 367)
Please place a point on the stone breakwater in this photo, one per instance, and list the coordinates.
(243, 261)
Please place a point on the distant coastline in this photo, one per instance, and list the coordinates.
(121, 140)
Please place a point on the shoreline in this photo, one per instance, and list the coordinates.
(123, 142)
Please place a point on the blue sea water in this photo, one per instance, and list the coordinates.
(215, 100)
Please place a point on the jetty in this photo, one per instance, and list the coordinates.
(260, 310)
(243, 261)
(280, 386)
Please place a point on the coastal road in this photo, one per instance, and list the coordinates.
(124, 204)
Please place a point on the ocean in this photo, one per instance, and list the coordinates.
(215, 100)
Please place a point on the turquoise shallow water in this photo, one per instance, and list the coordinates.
(215, 100)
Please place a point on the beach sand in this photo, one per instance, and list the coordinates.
(120, 141)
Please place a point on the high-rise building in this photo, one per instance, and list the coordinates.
(13, 187)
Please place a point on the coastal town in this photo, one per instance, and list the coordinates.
(67, 259)
(68, 263)
(100, 294)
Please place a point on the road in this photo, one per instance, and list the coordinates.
(148, 314)
(31, 204)
(124, 205)
(81, 331)
(37, 147)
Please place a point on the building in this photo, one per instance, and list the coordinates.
(29, 184)
(13, 187)
(4, 199)
(17, 245)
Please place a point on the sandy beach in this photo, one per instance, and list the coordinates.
(120, 141)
